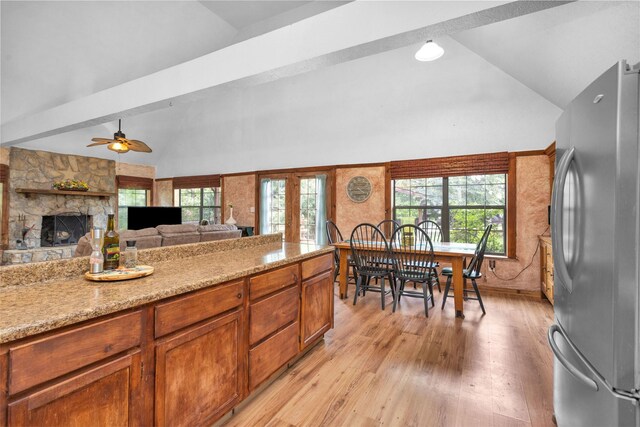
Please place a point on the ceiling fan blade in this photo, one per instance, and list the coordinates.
(104, 142)
(135, 145)
(101, 139)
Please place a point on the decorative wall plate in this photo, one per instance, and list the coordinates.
(359, 189)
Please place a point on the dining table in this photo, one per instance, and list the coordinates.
(445, 252)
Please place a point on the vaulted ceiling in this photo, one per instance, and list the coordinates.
(60, 52)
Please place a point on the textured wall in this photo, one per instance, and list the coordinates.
(240, 190)
(163, 193)
(4, 155)
(533, 197)
(131, 169)
(348, 213)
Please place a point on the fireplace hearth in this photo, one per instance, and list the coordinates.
(63, 229)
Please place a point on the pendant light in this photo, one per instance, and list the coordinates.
(430, 51)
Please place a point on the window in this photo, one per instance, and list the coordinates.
(129, 197)
(273, 218)
(461, 193)
(199, 204)
(4, 207)
(466, 203)
(132, 191)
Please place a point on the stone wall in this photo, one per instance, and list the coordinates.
(39, 169)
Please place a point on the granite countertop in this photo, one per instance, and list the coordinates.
(32, 308)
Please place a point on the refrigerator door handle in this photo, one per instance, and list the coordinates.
(556, 218)
(633, 395)
(562, 359)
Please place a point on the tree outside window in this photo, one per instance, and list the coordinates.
(467, 203)
(199, 204)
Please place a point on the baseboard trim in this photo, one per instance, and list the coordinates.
(531, 294)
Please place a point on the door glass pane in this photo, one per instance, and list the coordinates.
(273, 206)
(308, 197)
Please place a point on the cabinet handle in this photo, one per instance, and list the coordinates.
(239, 295)
(295, 278)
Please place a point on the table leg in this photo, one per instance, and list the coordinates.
(344, 272)
(457, 265)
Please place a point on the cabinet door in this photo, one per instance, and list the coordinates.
(106, 395)
(316, 315)
(198, 373)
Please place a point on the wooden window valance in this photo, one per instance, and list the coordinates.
(198, 181)
(125, 181)
(4, 172)
(475, 164)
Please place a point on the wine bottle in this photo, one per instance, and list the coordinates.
(111, 247)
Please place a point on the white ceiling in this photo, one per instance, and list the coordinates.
(57, 51)
(558, 52)
(242, 14)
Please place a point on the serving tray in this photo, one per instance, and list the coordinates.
(120, 274)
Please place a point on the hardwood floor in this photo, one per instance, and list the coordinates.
(402, 369)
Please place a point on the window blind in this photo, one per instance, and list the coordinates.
(198, 181)
(475, 164)
(125, 181)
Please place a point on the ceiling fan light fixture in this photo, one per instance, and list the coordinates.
(120, 144)
(118, 147)
(430, 51)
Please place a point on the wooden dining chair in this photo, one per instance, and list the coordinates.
(471, 272)
(370, 252)
(434, 232)
(388, 226)
(334, 235)
(413, 262)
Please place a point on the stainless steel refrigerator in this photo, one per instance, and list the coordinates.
(596, 240)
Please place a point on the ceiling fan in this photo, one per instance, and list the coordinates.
(120, 144)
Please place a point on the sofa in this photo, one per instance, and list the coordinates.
(166, 235)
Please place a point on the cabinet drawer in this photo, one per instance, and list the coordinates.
(269, 356)
(313, 266)
(272, 281)
(59, 354)
(272, 313)
(185, 311)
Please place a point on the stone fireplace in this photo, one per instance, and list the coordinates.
(49, 217)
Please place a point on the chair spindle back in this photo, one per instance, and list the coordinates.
(413, 253)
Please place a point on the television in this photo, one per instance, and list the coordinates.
(140, 217)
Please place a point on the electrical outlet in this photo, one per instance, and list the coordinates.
(492, 264)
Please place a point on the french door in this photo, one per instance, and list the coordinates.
(296, 205)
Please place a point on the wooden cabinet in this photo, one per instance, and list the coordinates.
(273, 322)
(199, 373)
(546, 268)
(187, 310)
(317, 308)
(186, 360)
(316, 296)
(45, 359)
(105, 395)
(271, 354)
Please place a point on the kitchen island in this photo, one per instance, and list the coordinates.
(183, 346)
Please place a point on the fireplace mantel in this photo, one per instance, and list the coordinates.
(29, 191)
